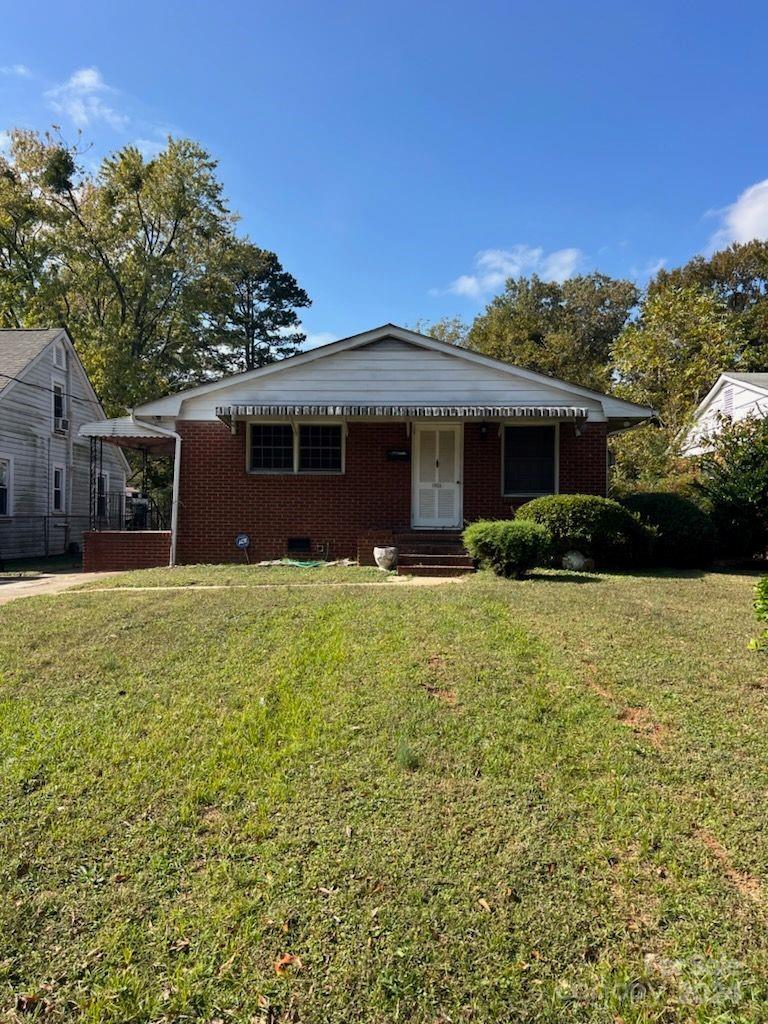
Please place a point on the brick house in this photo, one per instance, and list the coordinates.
(361, 442)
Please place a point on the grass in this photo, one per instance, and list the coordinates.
(536, 801)
(238, 575)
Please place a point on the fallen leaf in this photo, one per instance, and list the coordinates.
(287, 960)
(485, 905)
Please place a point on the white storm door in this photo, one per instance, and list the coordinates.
(436, 499)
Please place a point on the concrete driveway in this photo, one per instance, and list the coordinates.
(12, 588)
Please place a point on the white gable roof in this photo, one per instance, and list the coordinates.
(735, 395)
(389, 366)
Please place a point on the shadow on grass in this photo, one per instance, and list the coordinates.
(562, 576)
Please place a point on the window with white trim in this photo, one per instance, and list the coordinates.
(58, 492)
(308, 448)
(6, 485)
(58, 404)
(530, 459)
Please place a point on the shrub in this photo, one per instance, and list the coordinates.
(508, 546)
(684, 535)
(599, 528)
(761, 610)
(735, 484)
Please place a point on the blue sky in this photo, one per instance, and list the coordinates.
(402, 158)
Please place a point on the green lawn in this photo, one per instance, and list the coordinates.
(490, 801)
(238, 575)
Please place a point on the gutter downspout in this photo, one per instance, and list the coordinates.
(164, 431)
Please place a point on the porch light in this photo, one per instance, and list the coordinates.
(483, 431)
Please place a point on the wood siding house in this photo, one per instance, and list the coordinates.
(45, 397)
(733, 396)
(375, 439)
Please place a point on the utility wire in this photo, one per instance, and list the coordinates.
(42, 387)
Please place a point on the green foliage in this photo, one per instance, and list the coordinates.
(734, 480)
(684, 534)
(566, 329)
(508, 546)
(253, 304)
(451, 329)
(669, 360)
(599, 528)
(139, 261)
(761, 610)
(738, 278)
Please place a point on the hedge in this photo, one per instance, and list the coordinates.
(684, 535)
(508, 546)
(599, 528)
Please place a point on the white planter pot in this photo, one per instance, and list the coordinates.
(385, 558)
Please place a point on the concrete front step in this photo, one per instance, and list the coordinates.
(434, 570)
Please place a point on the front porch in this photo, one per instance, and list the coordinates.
(146, 542)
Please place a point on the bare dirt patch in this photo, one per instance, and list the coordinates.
(748, 885)
(636, 719)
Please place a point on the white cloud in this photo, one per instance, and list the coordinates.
(149, 148)
(494, 266)
(82, 99)
(317, 338)
(745, 219)
(16, 70)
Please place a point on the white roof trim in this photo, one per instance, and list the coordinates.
(723, 379)
(612, 407)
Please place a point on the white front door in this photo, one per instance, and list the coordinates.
(437, 464)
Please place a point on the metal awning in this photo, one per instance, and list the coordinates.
(126, 432)
(228, 413)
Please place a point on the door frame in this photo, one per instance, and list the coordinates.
(458, 433)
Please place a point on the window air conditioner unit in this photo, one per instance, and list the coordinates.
(61, 424)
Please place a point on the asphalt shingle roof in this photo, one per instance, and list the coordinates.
(19, 348)
(760, 379)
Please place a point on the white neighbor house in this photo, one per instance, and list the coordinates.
(45, 396)
(734, 396)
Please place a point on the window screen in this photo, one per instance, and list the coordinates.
(529, 460)
(272, 447)
(320, 448)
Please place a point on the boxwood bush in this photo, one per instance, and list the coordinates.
(684, 535)
(599, 528)
(508, 546)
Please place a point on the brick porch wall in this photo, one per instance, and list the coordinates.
(125, 549)
(366, 504)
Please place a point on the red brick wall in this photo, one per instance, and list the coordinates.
(219, 499)
(582, 468)
(124, 549)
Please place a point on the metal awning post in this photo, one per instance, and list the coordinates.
(175, 499)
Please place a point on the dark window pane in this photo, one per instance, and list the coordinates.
(5, 474)
(529, 460)
(272, 447)
(320, 449)
(58, 402)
